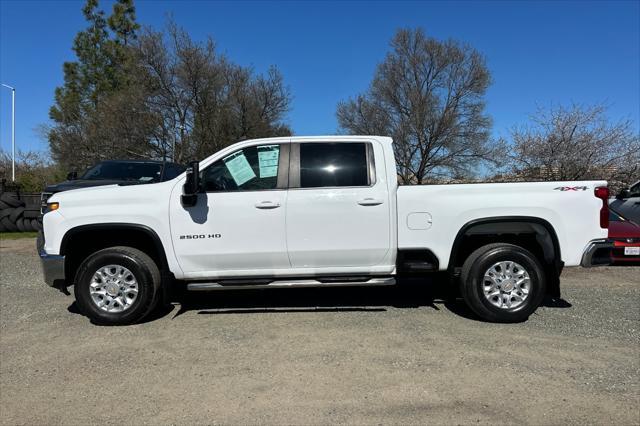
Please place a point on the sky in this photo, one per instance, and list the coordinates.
(540, 53)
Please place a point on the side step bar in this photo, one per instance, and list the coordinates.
(287, 283)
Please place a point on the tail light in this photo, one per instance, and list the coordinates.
(602, 192)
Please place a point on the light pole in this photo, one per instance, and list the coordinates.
(13, 131)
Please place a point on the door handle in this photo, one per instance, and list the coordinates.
(267, 205)
(370, 201)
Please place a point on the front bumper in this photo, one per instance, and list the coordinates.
(52, 265)
(597, 253)
(618, 252)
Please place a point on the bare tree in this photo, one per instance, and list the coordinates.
(576, 143)
(202, 102)
(429, 96)
(34, 170)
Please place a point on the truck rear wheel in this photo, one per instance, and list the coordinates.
(117, 286)
(502, 283)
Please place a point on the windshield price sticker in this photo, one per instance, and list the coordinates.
(268, 159)
(239, 167)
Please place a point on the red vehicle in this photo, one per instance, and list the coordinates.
(626, 239)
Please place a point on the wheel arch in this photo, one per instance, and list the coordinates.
(533, 233)
(509, 225)
(94, 237)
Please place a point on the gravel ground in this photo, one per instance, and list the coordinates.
(318, 356)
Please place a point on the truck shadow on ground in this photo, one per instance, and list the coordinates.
(431, 293)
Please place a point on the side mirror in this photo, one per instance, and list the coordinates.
(623, 194)
(192, 185)
(72, 175)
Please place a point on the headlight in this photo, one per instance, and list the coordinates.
(52, 207)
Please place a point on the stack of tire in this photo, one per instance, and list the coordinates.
(15, 216)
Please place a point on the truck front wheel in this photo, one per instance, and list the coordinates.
(502, 283)
(117, 286)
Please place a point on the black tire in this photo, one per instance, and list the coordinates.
(11, 199)
(8, 225)
(20, 225)
(15, 214)
(31, 213)
(472, 278)
(37, 224)
(2, 227)
(5, 212)
(145, 272)
(26, 223)
(3, 205)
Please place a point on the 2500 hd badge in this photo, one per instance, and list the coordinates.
(199, 236)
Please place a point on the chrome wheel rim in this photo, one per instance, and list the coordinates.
(113, 288)
(506, 284)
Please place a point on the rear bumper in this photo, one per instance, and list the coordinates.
(52, 265)
(597, 253)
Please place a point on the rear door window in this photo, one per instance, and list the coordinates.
(334, 165)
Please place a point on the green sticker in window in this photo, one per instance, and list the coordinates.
(239, 167)
(268, 160)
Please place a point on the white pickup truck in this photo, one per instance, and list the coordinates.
(317, 211)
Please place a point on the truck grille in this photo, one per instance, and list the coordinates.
(44, 197)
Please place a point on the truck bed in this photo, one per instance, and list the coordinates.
(431, 216)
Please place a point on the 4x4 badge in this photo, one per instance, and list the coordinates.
(571, 188)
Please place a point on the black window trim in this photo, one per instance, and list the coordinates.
(294, 166)
(283, 169)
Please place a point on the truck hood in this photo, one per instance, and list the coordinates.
(625, 229)
(83, 183)
(112, 193)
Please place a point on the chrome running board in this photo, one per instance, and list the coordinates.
(288, 283)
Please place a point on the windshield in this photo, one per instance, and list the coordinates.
(142, 172)
(614, 216)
